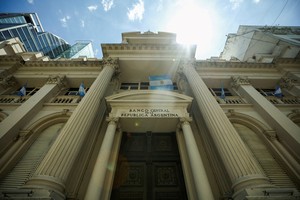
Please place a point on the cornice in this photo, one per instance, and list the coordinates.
(295, 61)
(10, 58)
(138, 49)
(58, 63)
(228, 64)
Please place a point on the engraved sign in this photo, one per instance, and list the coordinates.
(149, 113)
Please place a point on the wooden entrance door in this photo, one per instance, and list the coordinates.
(149, 168)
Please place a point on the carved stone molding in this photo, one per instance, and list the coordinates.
(59, 80)
(239, 80)
(287, 82)
(271, 134)
(24, 134)
(8, 81)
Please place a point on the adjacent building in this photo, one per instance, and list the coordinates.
(148, 121)
(262, 43)
(28, 28)
(79, 49)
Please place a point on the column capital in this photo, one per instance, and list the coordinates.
(239, 80)
(112, 119)
(8, 81)
(184, 63)
(185, 120)
(59, 80)
(287, 82)
(112, 62)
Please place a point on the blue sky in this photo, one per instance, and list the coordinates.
(202, 22)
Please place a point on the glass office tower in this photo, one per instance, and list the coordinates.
(28, 28)
(81, 48)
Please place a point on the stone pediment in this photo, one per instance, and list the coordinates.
(150, 110)
(148, 96)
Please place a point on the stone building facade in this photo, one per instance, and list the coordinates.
(219, 133)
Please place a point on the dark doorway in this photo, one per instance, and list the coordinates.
(149, 168)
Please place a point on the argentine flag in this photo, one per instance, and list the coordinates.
(278, 92)
(222, 93)
(161, 82)
(81, 90)
(22, 91)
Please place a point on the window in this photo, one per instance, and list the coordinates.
(144, 85)
(218, 92)
(140, 86)
(74, 91)
(266, 92)
(129, 86)
(29, 91)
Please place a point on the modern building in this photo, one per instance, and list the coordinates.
(262, 43)
(154, 123)
(79, 49)
(28, 28)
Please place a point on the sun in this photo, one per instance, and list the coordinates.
(192, 23)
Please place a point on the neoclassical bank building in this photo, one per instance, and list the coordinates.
(151, 122)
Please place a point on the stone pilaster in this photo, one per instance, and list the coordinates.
(96, 183)
(241, 166)
(11, 125)
(202, 185)
(54, 169)
(287, 130)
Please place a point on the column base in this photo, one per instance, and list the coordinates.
(37, 193)
(266, 193)
(256, 180)
(46, 183)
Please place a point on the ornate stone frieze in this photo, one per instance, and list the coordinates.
(8, 81)
(287, 82)
(239, 80)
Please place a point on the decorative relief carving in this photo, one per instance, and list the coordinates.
(59, 80)
(239, 80)
(166, 176)
(135, 175)
(271, 134)
(163, 143)
(287, 82)
(8, 81)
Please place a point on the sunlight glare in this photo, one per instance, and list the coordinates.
(192, 24)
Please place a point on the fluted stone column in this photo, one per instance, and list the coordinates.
(96, 184)
(10, 126)
(202, 185)
(53, 171)
(241, 166)
(286, 129)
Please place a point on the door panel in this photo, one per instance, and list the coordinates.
(148, 168)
